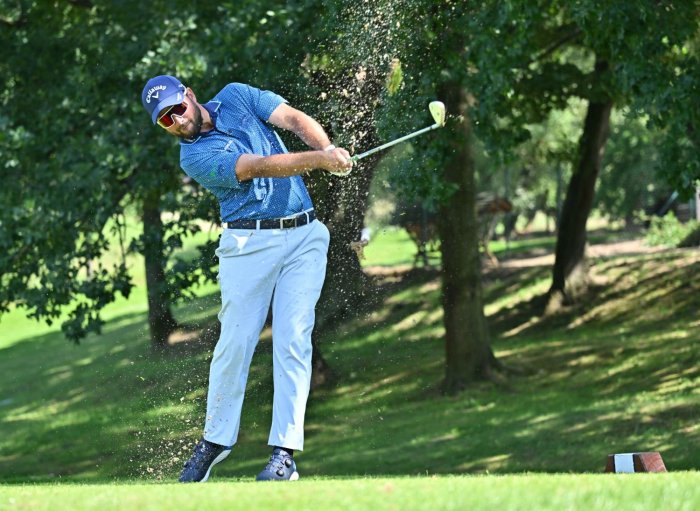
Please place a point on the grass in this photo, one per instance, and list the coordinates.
(391, 246)
(516, 492)
(619, 373)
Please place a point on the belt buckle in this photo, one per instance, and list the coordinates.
(288, 223)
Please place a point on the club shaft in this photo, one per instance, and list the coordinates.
(394, 142)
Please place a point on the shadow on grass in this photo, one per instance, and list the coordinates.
(96, 409)
(609, 379)
(595, 394)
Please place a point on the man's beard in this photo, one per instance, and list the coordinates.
(196, 124)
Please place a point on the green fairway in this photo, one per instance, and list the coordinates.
(612, 492)
(601, 378)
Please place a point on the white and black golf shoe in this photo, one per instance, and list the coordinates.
(281, 467)
(206, 454)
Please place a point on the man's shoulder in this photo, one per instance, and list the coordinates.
(233, 88)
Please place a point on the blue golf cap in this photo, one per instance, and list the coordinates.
(161, 92)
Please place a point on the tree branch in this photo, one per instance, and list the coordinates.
(566, 38)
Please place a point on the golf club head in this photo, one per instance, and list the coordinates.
(437, 110)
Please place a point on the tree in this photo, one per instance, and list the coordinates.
(569, 274)
(346, 84)
(283, 46)
(468, 354)
(57, 161)
(625, 53)
(81, 151)
(436, 66)
(628, 183)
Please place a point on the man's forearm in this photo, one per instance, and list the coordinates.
(311, 132)
(250, 166)
(301, 124)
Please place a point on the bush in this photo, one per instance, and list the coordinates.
(693, 238)
(670, 232)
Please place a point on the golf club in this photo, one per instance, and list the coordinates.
(437, 110)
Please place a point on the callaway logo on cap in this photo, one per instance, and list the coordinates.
(161, 92)
(155, 92)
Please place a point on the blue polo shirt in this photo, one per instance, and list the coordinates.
(240, 114)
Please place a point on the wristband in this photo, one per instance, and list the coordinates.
(329, 148)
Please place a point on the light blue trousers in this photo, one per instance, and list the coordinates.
(287, 267)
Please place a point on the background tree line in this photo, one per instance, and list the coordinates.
(79, 154)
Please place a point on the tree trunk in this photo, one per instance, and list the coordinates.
(570, 273)
(160, 319)
(341, 205)
(468, 352)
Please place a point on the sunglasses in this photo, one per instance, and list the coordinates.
(166, 120)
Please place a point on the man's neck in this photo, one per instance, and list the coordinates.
(207, 123)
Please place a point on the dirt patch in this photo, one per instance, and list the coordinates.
(626, 247)
(615, 248)
(537, 257)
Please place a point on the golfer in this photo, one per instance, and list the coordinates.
(272, 249)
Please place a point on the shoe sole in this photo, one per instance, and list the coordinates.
(219, 458)
(293, 477)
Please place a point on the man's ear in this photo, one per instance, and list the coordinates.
(190, 94)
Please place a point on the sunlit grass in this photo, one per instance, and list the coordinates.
(389, 246)
(563, 492)
(616, 374)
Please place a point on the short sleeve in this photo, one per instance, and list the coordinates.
(260, 102)
(266, 102)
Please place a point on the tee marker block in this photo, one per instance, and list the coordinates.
(635, 462)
